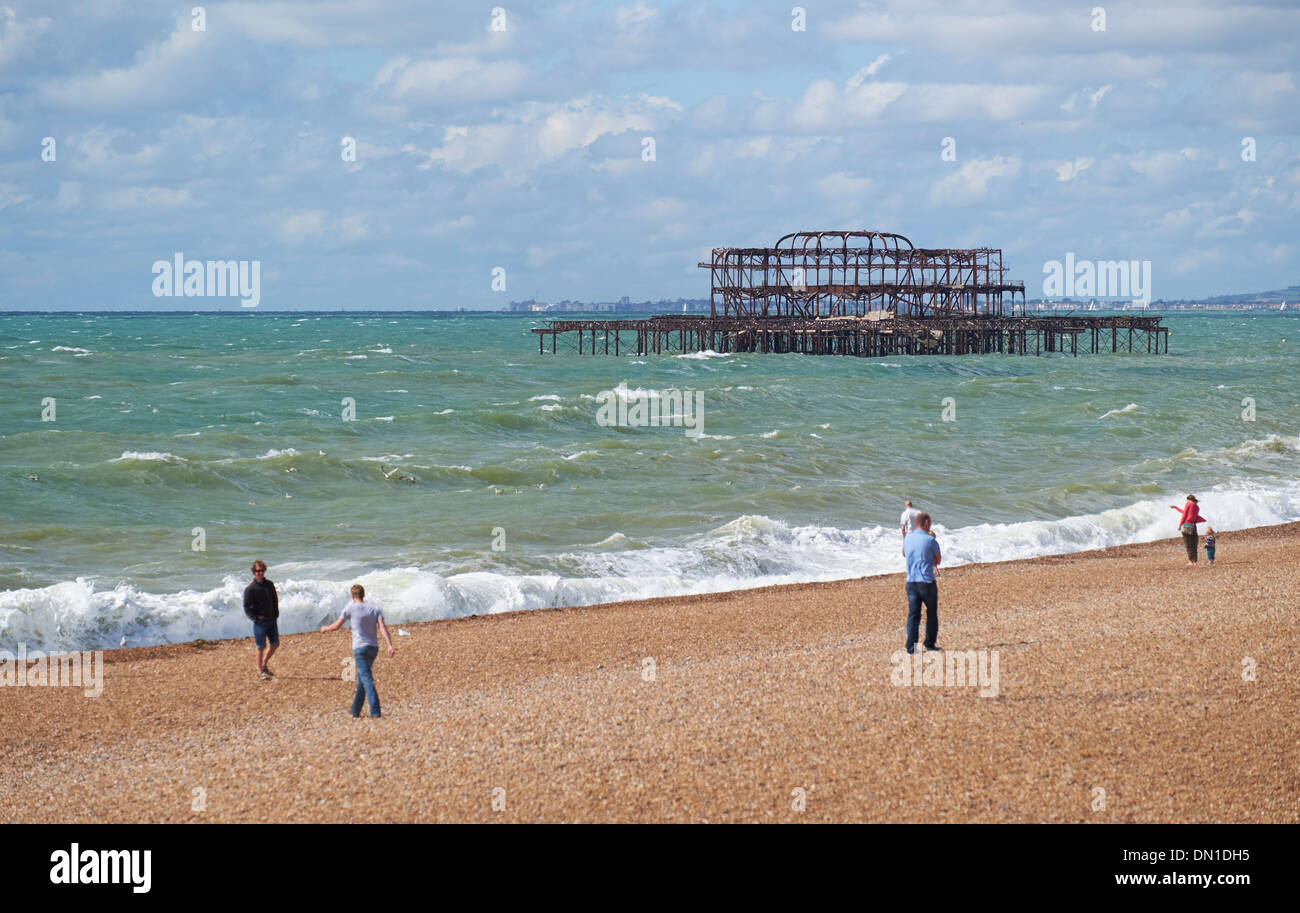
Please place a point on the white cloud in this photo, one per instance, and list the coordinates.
(69, 195)
(448, 79)
(979, 102)
(448, 226)
(871, 69)
(1159, 166)
(970, 182)
(826, 107)
(634, 19)
(392, 260)
(1095, 98)
(829, 109)
(945, 25)
(774, 150)
(1071, 170)
(1264, 90)
(168, 71)
(1197, 259)
(11, 196)
(1229, 225)
(147, 198)
(620, 167)
(300, 226)
(538, 133)
(841, 184)
(663, 210)
(96, 150)
(670, 232)
(16, 36)
(353, 228)
(354, 24)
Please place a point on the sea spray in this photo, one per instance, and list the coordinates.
(624, 408)
(749, 551)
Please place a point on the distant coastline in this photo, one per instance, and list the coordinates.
(1164, 307)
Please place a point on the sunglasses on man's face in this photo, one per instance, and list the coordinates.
(259, 572)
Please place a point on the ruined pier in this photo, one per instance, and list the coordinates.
(868, 294)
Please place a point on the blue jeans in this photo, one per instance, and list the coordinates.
(363, 657)
(918, 593)
(264, 631)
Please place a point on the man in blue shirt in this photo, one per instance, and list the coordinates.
(921, 552)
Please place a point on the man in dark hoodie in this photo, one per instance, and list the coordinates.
(262, 606)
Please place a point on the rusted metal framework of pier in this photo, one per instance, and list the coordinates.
(859, 293)
(851, 273)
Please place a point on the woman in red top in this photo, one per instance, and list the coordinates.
(1190, 516)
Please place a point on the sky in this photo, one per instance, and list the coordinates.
(594, 150)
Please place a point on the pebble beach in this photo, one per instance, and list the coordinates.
(1131, 689)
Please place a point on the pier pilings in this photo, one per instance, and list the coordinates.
(875, 335)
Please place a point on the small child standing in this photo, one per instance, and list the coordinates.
(367, 623)
(1209, 543)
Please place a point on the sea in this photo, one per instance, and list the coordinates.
(449, 467)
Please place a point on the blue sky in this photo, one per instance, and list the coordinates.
(521, 148)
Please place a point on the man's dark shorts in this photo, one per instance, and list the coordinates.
(264, 631)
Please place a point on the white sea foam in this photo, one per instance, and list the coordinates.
(148, 456)
(1131, 407)
(749, 551)
(626, 394)
(545, 397)
(81, 353)
(707, 353)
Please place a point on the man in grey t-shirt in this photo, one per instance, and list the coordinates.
(367, 623)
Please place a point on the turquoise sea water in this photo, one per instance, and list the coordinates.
(169, 424)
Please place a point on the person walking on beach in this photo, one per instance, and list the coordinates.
(907, 522)
(367, 622)
(921, 552)
(262, 606)
(1191, 515)
(1209, 544)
